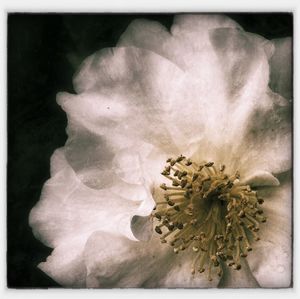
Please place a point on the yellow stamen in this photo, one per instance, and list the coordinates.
(209, 212)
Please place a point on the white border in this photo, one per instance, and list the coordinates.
(145, 6)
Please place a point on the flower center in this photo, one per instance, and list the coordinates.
(208, 212)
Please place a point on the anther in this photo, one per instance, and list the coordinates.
(163, 186)
(222, 168)
(260, 201)
(158, 216)
(179, 225)
(158, 230)
(188, 162)
(237, 267)
(195, 176)
(172, 162)
(183, 183)
(209, 164)
(180, 158)
(177, 208)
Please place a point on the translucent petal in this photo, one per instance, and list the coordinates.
(281, 67)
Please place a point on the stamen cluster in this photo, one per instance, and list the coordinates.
(209, 212)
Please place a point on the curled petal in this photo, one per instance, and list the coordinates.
(261, 178)
(70, 208)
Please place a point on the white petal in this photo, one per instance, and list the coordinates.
(281, 67)
(70, 208)
(271, 259)
(182, 43)
(119, 262)
(66, 264)
(128, 95)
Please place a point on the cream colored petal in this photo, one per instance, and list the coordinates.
(271, 259)
(119, 262)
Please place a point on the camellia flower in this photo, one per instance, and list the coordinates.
(176, 171)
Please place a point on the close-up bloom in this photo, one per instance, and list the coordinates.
(177, 167)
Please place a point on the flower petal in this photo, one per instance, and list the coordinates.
(203, 96)
(281, 67)
(266, 145)
(158, 112)
(260, 178)
(233, 65)
(66, 264)
(126, 85)
(69, 208)
(242, 278)
(271, 260)
(119, 262)
(182, 44)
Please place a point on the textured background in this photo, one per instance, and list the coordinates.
(44, 50)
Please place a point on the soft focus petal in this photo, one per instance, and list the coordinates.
(119, 262)
(281, 68)
(271, 260)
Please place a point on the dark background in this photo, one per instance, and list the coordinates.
(44, 50)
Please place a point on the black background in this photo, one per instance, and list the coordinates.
(44, 50)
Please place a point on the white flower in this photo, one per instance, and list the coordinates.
(200, 90)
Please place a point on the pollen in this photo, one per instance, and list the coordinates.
(209, 213)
